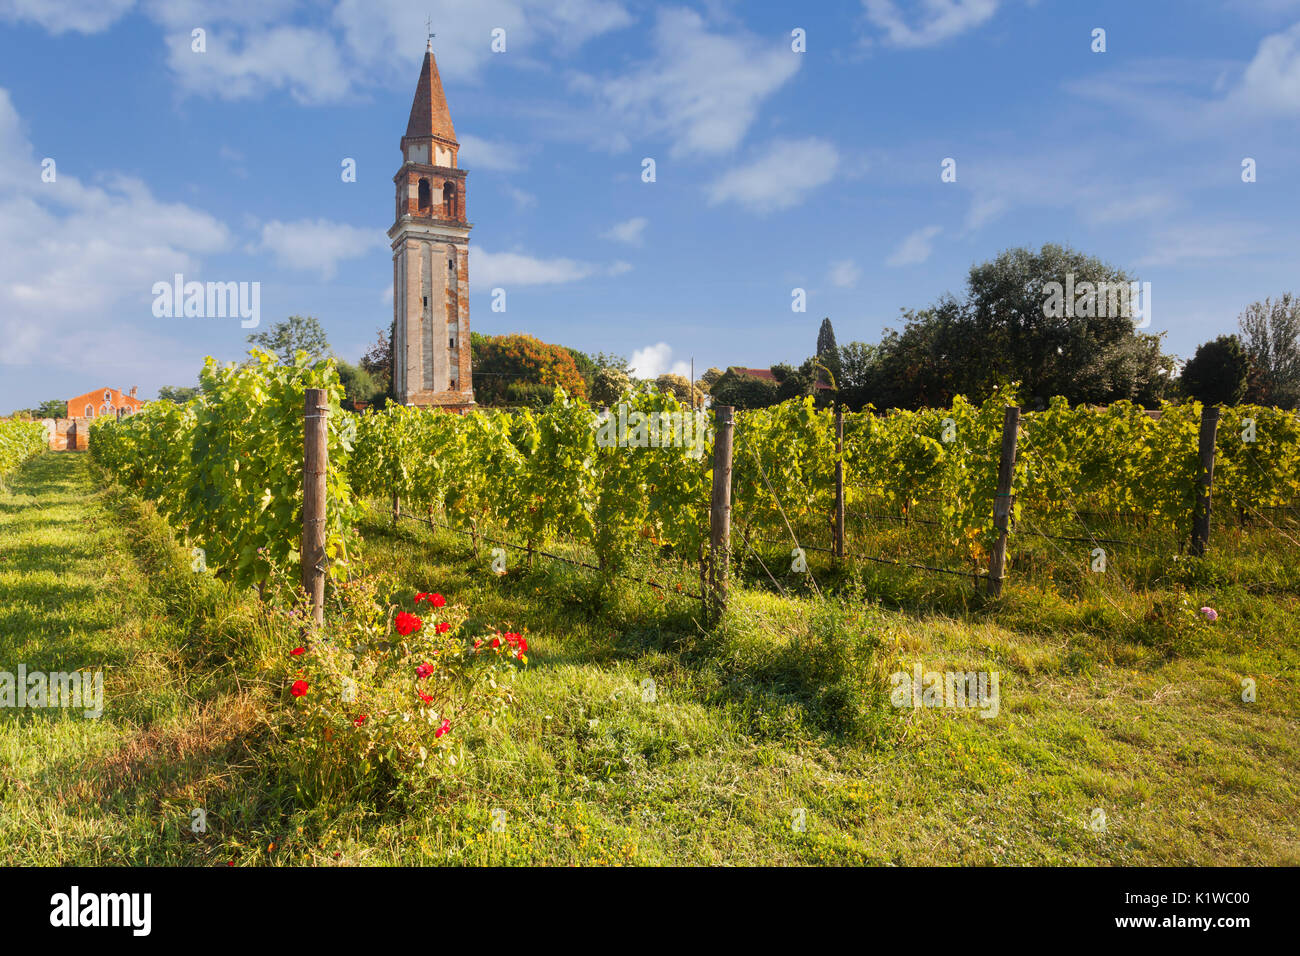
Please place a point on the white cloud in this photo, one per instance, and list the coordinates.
(485, 154)
(187, 14)
(321, 55)
(916, 248)
(72, 255)
(845, 274)
(702, 90)
(304, 62)
(61, 16)
(1271, 82)
(629, 231)
(517, 269)
(522, 198)
(654, 360)
(983, 210)
(1127, 209)
(1190, 243)
(766, 185)
(387, 36)
(938, 20)
(317, 245)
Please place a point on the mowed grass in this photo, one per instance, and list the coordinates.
(88, 582)
(779, 714)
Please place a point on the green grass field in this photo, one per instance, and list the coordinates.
(779, 712)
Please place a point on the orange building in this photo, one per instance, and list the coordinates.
(104, 401)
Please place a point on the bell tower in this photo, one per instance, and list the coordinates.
(430, 237)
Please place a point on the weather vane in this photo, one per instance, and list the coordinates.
(428, 28)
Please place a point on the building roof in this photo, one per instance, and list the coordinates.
(429, 113)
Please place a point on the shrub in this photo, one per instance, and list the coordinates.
(382, 705)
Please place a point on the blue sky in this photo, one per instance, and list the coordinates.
(775, 169)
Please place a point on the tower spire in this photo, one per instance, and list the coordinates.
(429, 113)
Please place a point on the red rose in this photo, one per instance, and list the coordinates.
(496, 642)
(406, 623)
(437, 600)
(427, 698)
(478, 642)
(423, 671)
(446, 726)
(523, 643)
(443, 627)
(298, 650)
(420, 596)
(299, 688)
(361, 720)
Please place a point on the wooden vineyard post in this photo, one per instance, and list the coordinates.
(1002, 502)
(1204, 480)
(839, 482)
(315, 461)
(720, 510)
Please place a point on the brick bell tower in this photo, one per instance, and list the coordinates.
(430, 236)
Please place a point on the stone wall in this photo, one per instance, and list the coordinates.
(67, 434)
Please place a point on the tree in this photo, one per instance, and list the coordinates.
(532, 395)
(1055, 320)
(609, 385)
(180, 394)
(358, 384)
(828, 353)
(54, 408)
(680, 386)
(859, 378)
(501, 360)
(378, 362)
(826, 338)
(740, 390)
(916, 367)
(587, 367)
(794, 382)
(707, 380)
(1270, 333)
(298, 333)
(1216, 374)
(610, 360)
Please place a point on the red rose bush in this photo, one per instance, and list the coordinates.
(383, 700)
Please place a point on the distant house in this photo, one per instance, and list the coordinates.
(764, 373)
(104, 401)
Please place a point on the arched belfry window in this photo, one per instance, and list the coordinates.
(424, 195)
(449, 200)
(90, 411)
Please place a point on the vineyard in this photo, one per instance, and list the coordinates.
(226, 471)
(19, 441)
(523, 658)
